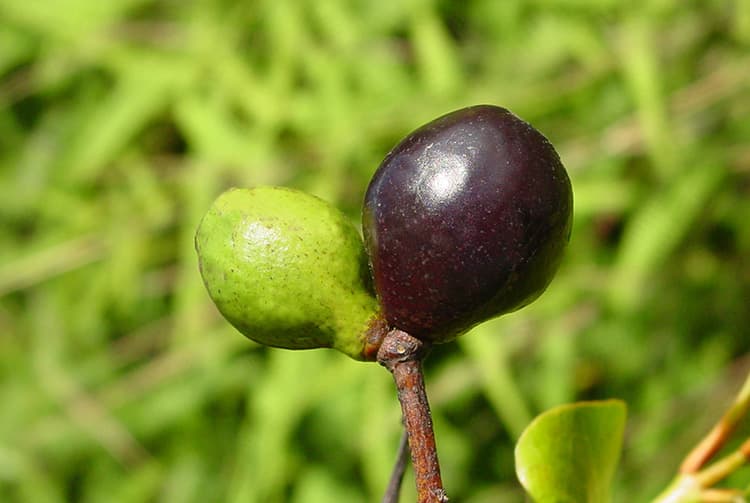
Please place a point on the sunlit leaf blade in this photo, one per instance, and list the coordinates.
(569, 453)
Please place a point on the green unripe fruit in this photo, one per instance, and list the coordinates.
(289, 270)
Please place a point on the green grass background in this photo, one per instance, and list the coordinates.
(121, 120)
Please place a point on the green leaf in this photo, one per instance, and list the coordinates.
(569, 453)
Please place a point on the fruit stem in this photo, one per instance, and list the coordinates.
(397, 475)
(402, 355)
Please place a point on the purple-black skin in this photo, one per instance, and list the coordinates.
(465, 219)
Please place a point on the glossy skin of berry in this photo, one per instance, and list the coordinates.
(465, 219)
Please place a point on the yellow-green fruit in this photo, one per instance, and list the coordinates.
(288, 270)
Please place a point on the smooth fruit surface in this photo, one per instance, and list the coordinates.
(465, 219)
(287, 270)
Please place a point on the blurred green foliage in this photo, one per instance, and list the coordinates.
(121, 120)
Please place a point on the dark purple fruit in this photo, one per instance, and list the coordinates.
(466, 219)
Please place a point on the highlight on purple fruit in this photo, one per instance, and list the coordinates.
(466, 219)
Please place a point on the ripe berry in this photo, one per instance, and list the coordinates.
(465, 219)
(288, 270)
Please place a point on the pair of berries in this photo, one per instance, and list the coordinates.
(466, 219)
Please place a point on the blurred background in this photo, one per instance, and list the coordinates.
(121, 121)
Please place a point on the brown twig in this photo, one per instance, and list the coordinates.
(720, 433)
(724, 467)
(402, 355)
(397, 475)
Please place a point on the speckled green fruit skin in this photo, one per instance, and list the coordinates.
(287, 270)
